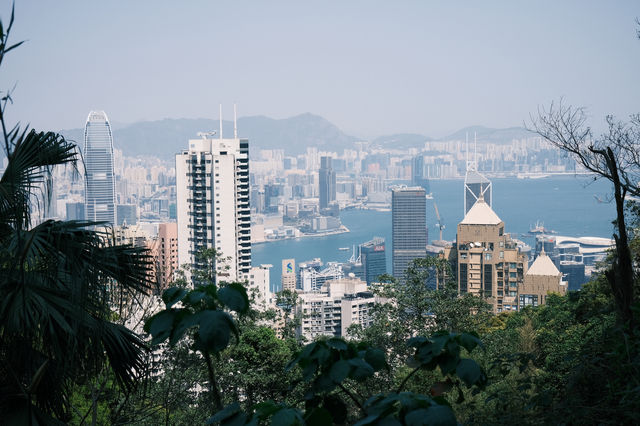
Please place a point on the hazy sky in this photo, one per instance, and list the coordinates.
(371, 68)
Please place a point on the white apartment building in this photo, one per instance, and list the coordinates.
(212, 179)
(330, 311)
(258, 286)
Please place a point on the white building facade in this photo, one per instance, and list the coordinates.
(212, 179)
(331, 310)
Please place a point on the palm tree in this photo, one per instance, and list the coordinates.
(56, 281)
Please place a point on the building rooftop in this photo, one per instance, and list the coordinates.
(481, 214)
(543, 265)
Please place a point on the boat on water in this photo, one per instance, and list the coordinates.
(531, 176)
(344, 249)
(539, 229)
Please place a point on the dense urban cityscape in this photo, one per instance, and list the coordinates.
(219, 194)
(262, 265)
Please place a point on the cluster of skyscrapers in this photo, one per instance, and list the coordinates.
(214, 212)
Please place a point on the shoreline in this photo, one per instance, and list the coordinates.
(342, 230)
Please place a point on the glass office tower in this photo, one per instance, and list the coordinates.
(100, 193)
(409, 227)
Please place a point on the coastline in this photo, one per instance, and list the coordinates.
(342, 230)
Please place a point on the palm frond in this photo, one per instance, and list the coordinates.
(31, 157)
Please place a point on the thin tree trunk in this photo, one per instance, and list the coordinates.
(620, 277)
(213, 385)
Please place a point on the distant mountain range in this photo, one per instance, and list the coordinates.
(486, 134)
(164, 138)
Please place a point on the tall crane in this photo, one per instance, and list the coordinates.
(440, 224)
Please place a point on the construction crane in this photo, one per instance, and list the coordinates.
(440, 224)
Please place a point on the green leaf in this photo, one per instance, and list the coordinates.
(322, 354)
(367, 420)
(173, 295)
(234, 296)
(184, 320)
(195, 296)
(319, 417)
(414, 342)
(339, 371)
(215, 330)
(160, 326)
(388, 421)
(227, 412)
(469, 341)
(266, 409)
(362, 369)
(287, 417)
(336, 407)
(309, 371)
(375, 357)
(441, 415)
(323, 383)
(448, 362)
(337, 343)
(469, 371)
(435, 415)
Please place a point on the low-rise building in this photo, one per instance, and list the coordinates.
(541, 279)
(338, 304)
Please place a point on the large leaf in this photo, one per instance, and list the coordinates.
(287, 417)
(469, 341)
(436, 415)
(361, 370)
(215, 330)
(173, 295)
(234, 296)
(160, 326)
(375, 357)
(337, 343)
(339, 371)
(470, 372)
(182, 322)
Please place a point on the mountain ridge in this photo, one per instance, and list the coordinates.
(166, 137)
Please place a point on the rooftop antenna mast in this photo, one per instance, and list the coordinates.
(220, 121)
(235, 122)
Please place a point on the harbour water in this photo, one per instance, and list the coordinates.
(569, 205)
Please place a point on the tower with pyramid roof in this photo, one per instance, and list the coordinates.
(488, 261)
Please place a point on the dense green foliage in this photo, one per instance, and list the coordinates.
(57, 279)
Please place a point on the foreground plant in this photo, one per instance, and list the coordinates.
(331, 367)
(56, 281)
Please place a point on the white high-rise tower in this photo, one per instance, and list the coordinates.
(100, 190)
(212, 179)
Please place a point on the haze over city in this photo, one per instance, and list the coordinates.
(424, 213)
(371, 68)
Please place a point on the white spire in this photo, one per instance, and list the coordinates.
(235, 122)
(220, 121)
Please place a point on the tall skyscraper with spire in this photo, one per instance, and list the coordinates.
(212, 180)
(100, 190)
(476, 185)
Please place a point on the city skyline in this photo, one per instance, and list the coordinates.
(371, 69)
